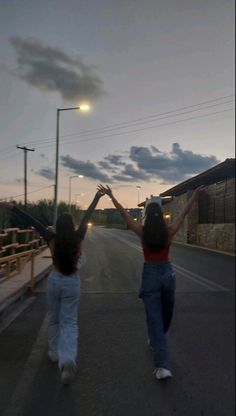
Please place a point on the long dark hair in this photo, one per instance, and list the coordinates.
(155, 232)
(66, 245)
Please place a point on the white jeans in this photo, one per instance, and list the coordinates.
(63, 294)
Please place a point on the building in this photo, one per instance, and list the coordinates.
(211, 222)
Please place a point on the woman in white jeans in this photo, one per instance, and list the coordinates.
(63, 285)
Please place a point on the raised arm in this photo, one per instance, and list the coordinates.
(132, 224)
(175, 226)
(29, 220)
(83, 226)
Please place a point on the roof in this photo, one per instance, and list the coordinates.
(213, 175)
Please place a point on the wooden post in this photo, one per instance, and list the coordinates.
(32, 280)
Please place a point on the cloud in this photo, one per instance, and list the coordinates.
(88, 169)
(115, 160)
(172, 167)
(132, 174)
(105, 165)
(47, 173)
(145, 164)
(52, 70)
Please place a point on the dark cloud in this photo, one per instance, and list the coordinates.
(116, 160)
(129, 170)
(88, 169)
(177, 165)
(51, 69)
(146, 164)
(105, 165)
(47, 173)
(155, 149)
(122, 178)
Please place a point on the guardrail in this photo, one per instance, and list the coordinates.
(15, 240)
(14, 264)
(17, 247)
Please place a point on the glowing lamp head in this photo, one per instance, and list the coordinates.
(84, 107)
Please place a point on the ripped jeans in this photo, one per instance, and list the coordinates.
(158, 295)
(63, 293)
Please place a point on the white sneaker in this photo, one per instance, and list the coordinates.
(68, 373)
(53, 357)
(162, 373)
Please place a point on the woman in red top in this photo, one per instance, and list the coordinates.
(158, 279)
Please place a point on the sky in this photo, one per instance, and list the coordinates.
(158, 75)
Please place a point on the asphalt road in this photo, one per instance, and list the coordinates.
(115, 364)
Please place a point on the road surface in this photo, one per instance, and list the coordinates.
(115, 364)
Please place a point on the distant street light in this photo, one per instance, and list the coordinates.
(83, 107)
(70, 179)
(138, 187)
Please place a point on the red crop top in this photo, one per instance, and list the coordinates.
(156, 256)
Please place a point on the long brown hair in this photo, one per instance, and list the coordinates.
(155, 232)
(66, 245)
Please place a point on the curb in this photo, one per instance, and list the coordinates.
(20, 293)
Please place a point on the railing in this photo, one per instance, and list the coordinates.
(17, 247)
(15, 240)
(14, 264)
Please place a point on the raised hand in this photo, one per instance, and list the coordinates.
(100, 192)
(106, 190)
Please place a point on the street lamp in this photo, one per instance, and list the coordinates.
(70, 179)
(83, 107)
(138, 187)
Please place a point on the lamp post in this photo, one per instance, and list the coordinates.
(84, 107)
(70, 179)
(138, 188)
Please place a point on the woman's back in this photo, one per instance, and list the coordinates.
(65, 247)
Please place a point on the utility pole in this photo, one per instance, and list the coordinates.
(26, 149)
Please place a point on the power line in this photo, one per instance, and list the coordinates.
(31, 192)
(137, 130)
(129, 123)
(134, 131)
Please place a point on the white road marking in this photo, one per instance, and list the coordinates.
(209, 284)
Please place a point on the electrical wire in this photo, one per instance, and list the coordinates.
(143, 120)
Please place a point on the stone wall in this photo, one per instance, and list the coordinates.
(173, 208)
(217, 236)
(220, 236)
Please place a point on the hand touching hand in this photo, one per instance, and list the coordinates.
(100, 192)
(106, 190)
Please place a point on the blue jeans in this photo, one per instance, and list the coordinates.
(158, 294)
(63, 294)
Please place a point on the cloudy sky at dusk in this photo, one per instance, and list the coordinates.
(159, 76)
